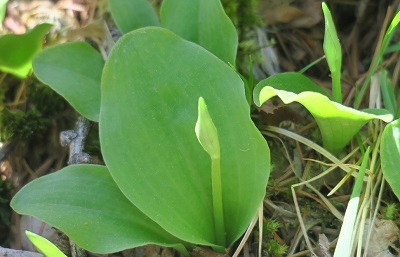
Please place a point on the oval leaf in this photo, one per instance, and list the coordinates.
(74, 71)
(84, 202)
(17, 51)
(338, 123)
(151, 83)
(390, 155)
(203, 22)
(132, 14)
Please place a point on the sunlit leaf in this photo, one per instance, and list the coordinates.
(338, 123)
(17, 51)
(44, 246)
(3, 5)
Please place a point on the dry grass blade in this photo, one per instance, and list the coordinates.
(248, 232)
(310, 144)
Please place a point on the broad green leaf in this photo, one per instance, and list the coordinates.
(291, 81)
(17, 51)
(337, 123)
(150, 146)
(44, 246)
(203, 22)
(333, 53)
(390, 155)
(132, 14)
(74, 71)
(84, 202)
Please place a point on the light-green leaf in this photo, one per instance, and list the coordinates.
(337, 123)
(17, 51)
(390, 155)
(132, 14)
(203, 22)
(74, 71)
(3, 5)
(44, 246)
(148, 142)
(333, 53)
(84, 202)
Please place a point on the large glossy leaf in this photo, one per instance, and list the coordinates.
(151, 84)
(390, 155)
(338, 123)
(132, 14)
(17, 51)
(84, 202)
(74, 71)
(203, 22)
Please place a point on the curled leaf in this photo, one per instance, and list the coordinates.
(338, 123)
(206, 131)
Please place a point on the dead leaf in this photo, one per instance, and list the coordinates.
(294, 14)
(384, 235)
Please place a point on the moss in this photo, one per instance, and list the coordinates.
(45, 100)
(243, 13)
(21, 124)
(271, 247)
(34, 116)
(390, 212)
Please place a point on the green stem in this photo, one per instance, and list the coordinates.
(336, 87)
(217, 201)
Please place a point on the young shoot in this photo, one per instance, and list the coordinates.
(207, 135)
(47, 248)
(333, 54)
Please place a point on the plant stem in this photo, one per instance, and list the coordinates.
(217, 201)
(336, 87)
